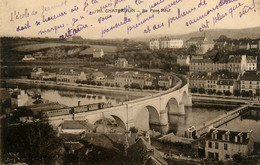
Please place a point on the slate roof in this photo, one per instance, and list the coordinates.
(251, 76)
(225, 82)
(142, 149)
(77, 124)
(232, 135)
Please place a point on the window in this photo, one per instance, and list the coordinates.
(225, 146)
(210, 144)
(216, 145)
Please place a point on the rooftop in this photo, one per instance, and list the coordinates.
(225, 82)
(232, 136)
(77, 124)
(251, 76)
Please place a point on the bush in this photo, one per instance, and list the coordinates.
(210, 92)
(194, 90)
(107, 84)
(126, 86)
(245, 94)
(133, 129)
(201, 90)
(237, 93)
(219, 93)
(228, 93)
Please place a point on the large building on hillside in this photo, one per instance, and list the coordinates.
(202, 44)
(223, 144)
(165, 43)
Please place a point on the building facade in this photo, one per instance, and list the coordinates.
(98, 53)
(121, 63)
(165, 43)
(183, 60)
(70, 76)
(250, 82)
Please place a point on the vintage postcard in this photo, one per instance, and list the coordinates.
(130, 82)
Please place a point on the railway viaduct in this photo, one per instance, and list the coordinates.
(145, 113)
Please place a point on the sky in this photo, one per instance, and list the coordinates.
(66, 18)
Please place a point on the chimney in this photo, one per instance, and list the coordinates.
(78, 103)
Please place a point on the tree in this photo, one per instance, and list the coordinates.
(36, 142)
(194, 90)
(126, 86)
(219, 93)
(245, 94)
(133, 129)
(201, 90)
(228, 93)
(237, 93)
(210, 92)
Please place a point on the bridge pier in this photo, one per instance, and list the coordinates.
(189, 101)
(181, 109)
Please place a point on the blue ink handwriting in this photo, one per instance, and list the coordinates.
(102, 19)
(54, 28)
(130, 28)
(21, 28)
(73, 31)
(117, 25)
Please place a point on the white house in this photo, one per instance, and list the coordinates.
(98, 53)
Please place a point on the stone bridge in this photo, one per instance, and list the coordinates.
(146, 113)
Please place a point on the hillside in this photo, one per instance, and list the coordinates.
(253, 33)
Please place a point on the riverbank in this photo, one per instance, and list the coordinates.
(78, 87)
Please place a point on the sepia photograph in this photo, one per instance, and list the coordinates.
(130, 82)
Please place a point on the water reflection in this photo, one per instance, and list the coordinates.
(71, 98)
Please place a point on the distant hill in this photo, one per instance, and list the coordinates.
(253, 33)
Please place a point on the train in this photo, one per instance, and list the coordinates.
(76, 109)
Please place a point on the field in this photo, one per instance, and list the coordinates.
(35, 47)
(106, 49)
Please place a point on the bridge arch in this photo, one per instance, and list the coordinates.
(119, 119)
(172, 106)
(147, 118)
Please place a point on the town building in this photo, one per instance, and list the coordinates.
(110, 80)
(37, 73)
(251, 63)
(165, 43)
(121, 63)
(165, 81)
(154, 44)
(223, 144)
(236, 64)
(140, 79)
(96, 76)
(98, 53)
(250, 82)
(183, 60)
(150, 81)
(124, 78)
(225, 85)
(202, 44)
(70, 76)
(19, 98)
(28, 58)
(198, 80)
